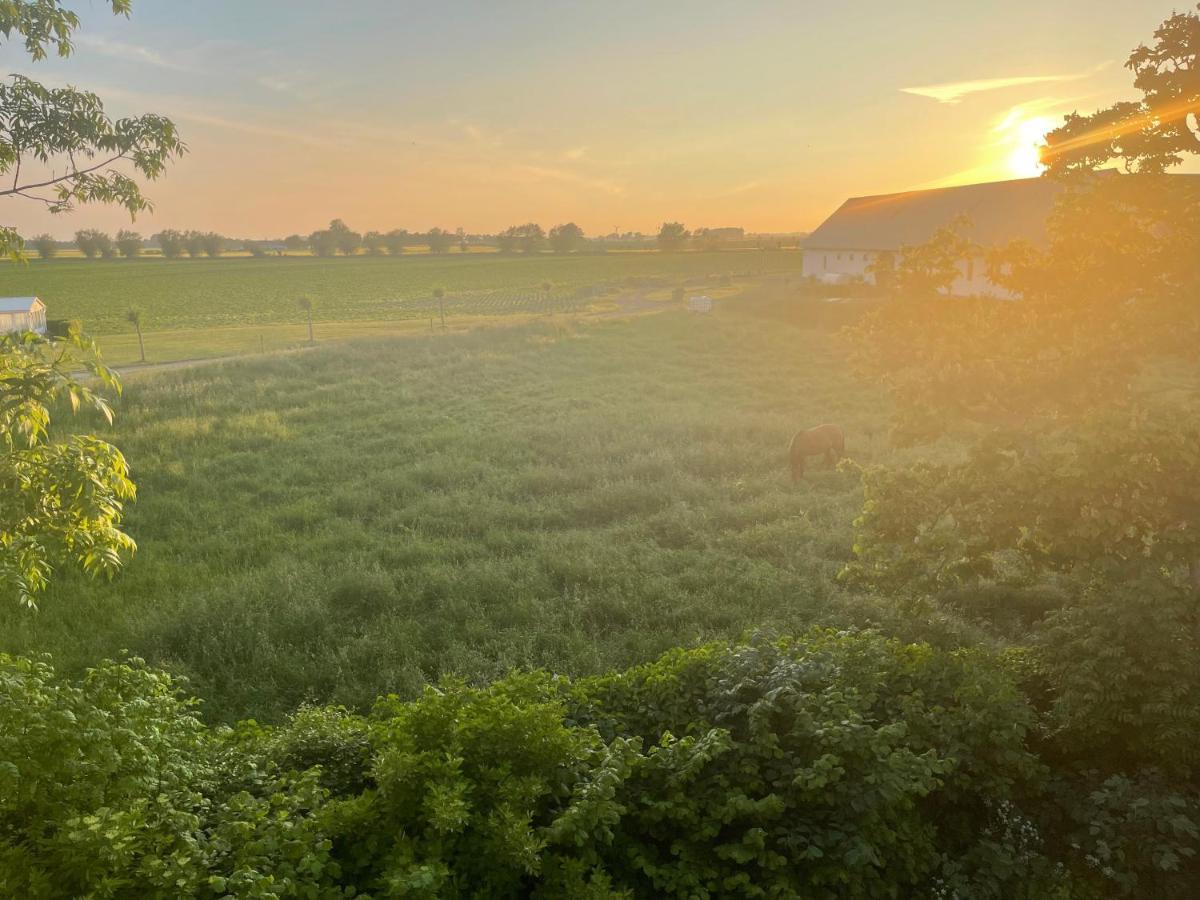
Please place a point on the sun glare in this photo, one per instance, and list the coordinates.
(1026, 137)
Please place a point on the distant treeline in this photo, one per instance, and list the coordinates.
(340, 239)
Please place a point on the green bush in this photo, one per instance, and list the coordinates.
(838, 764)
(113, 787)
(1119, 673)
(1129, 836)
(467, 781)
(1122, 667)
(328, 738)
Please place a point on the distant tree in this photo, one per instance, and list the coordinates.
(213, 244)
(531, 237)
(345, 239)
(566, 238)
(323, 243)
(706, 239)
(171, 243)
(438, 240)
(461, 237)
(395, 240)
(295, 242)
(129, 243)
(254, 248)
(85, 242)
(306, 304)
(528, 238)
(45, 245)
(337, 238)
(193, 243)
(374, 243)
(439, 294)
(672, 236)
(134, 318)
(93, 243)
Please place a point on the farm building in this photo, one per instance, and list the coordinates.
(22, 314)
(863, 227)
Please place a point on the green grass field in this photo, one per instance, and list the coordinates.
(214, 293)
(580, 495)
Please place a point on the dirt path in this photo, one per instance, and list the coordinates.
(127, 369)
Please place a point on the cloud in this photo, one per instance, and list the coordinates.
(273, 83)
(253, 128)
(543, 173)
(738, 189)
(954, 91)
(575, 153)
(129, 52)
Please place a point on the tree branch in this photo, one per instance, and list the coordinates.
(76, 173)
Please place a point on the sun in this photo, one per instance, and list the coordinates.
(1026, 137)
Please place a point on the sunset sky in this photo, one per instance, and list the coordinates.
(614, 114)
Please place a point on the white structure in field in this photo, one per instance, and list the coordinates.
(700, 304)
(846, 243)
(22, 314)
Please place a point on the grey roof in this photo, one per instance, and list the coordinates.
(1000, 211)
(16, 304)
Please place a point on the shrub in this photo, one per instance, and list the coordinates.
(1120, 674)
(468, 781)
(838, 764)
(1122, 667)
(113, 786)
(330, 738)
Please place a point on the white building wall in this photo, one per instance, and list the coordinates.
(31, 321)
(834, 264)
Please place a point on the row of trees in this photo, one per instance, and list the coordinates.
(527, 238)
(340, 239)
(99, 244)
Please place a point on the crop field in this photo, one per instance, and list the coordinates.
(211, 293)
(580, 495)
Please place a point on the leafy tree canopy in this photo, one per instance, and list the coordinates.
(672, 235)
(1149, 135)
(61, 496)
(566, 238)
(58, 147)
(1081, 459)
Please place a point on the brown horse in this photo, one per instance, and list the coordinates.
(826, 440)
